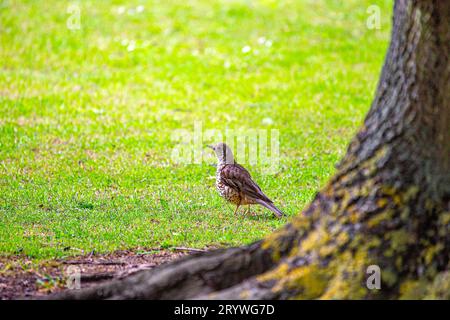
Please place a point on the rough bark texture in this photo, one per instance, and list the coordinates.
(387, 205)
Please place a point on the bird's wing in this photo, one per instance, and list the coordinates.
(238, 178)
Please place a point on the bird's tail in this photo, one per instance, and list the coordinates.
(271, 207)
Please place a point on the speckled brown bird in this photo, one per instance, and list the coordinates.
(235, 184)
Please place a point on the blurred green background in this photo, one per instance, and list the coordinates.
(87, 115)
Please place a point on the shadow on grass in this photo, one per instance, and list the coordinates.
(258, 216)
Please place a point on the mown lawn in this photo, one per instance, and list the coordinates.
(88, 116)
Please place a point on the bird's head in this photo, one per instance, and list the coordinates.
(223, 153)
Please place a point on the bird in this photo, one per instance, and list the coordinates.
(234, 183)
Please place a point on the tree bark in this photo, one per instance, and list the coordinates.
(387, 205)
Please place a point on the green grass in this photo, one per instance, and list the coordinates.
(86, 120)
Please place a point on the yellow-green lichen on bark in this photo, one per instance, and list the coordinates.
(308, 282)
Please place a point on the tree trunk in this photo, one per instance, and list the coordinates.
(387, 205)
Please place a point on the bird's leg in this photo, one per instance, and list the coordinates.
(248, 209)
(237, 207)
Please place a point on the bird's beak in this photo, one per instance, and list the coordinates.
(210, 146)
